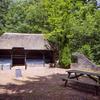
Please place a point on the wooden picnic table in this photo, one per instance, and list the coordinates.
(75, 74)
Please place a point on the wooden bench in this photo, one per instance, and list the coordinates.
(73, 75)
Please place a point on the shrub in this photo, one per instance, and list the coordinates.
(86, 50)
(65, 57)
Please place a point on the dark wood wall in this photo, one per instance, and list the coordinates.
(5, 53)
(46, 55)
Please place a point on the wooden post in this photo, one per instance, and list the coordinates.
(25, 62)
(1, 66)
(43, 60)
(53, 58)
(11, 65)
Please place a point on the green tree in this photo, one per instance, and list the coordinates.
(26, 16)
(73, 22)
(4, 6)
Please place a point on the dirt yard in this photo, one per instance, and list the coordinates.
(42, 83)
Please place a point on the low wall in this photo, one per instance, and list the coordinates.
(84, 62)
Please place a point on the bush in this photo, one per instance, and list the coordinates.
(86, 50)
(96, 53)
(65, 57)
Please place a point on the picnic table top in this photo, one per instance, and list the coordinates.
(95, 73)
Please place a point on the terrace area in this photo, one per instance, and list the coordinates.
(42, 83)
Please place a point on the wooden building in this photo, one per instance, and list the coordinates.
(34, 45)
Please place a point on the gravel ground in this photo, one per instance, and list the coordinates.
(42, 83)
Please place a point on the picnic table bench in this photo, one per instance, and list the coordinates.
(74, 75)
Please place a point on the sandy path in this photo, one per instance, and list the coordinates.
(40, 83)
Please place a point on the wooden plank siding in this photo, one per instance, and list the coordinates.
(31, 54)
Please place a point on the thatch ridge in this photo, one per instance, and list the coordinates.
(28, 41)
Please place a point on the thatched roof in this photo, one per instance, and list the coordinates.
(28, 41)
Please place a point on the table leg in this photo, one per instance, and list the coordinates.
(96, 91)
(98, 82)
(99, 79)
(69, 74)
(66, 81)
(76, 76)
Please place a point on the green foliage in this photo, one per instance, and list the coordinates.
(28, 16)
(4, 6)
(65, 57)
(97, 53)
(74, 23)
(70, 25)
(86, 50)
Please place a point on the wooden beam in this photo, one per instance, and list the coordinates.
(43, 60)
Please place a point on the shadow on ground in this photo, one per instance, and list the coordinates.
(48, 88)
